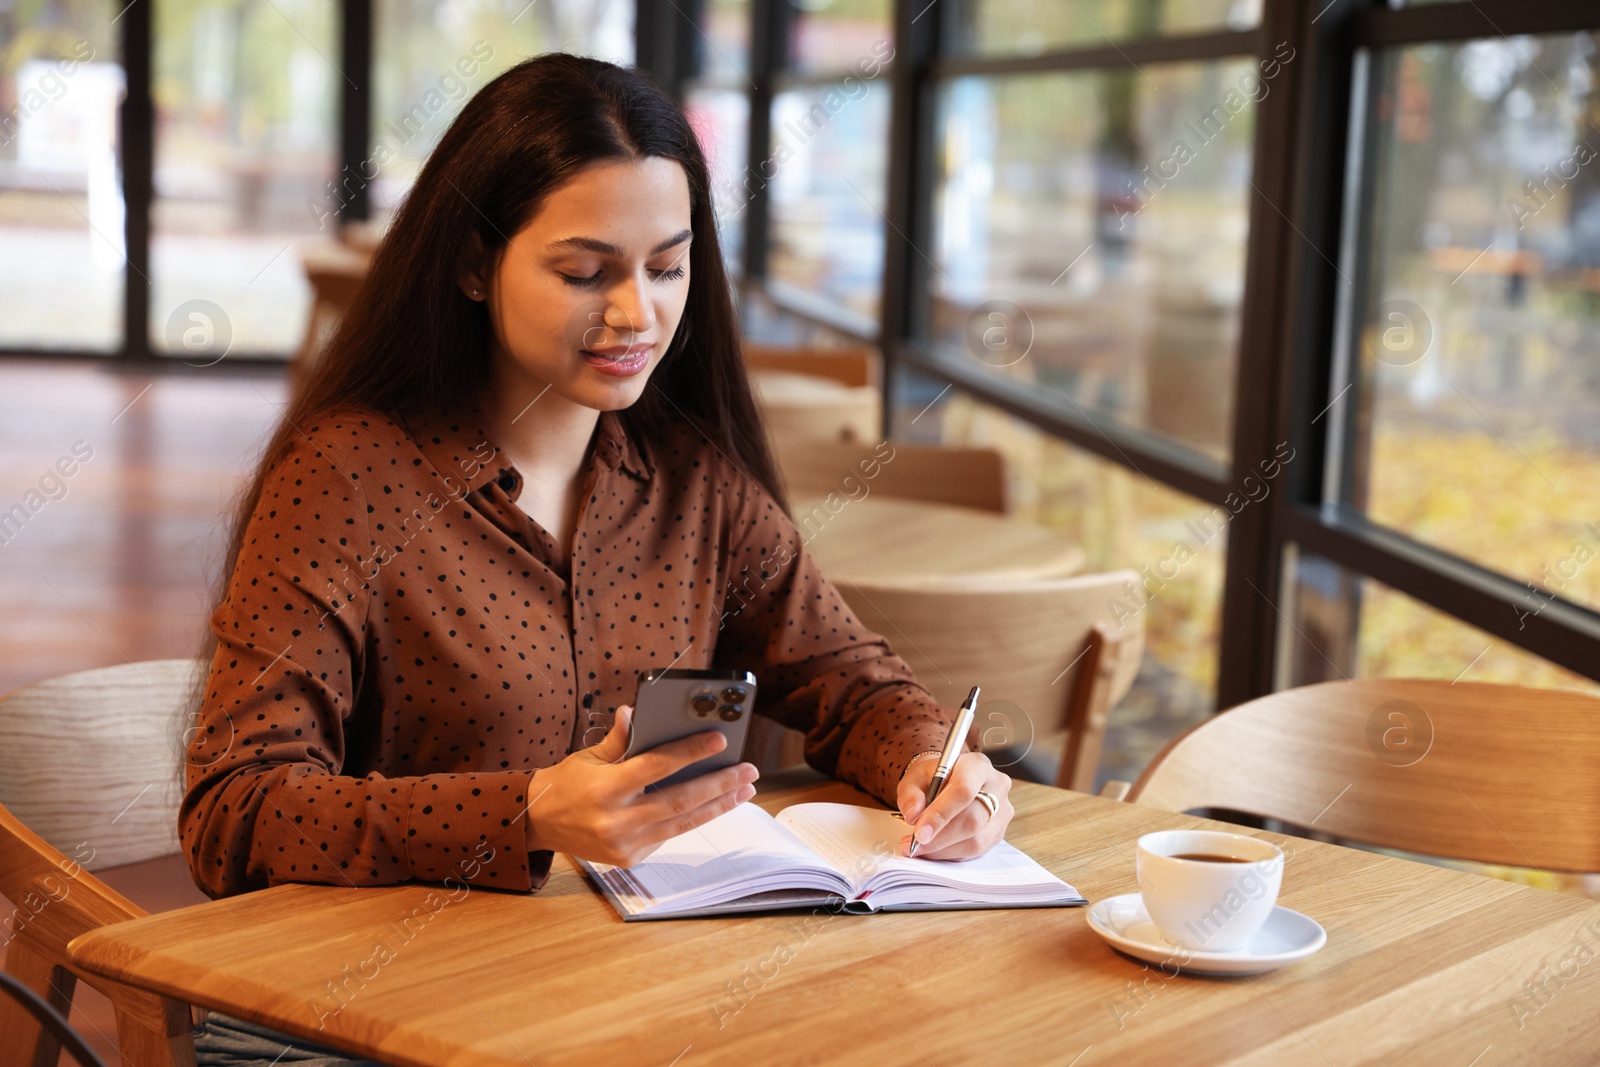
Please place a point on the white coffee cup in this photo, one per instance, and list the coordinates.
(1208, 905)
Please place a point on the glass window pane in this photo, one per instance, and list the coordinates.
(62, 257)
(1122, 520)
(1090, 233)
(827, 172)
(1032, 26)
(1478, 396)
(721, 120)
(431, 56)
(246, 139)
(1349, 626)
(840, 35)
(725, 41)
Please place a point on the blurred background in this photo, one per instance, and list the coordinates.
(1309, 289)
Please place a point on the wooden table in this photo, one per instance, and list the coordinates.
(882, 539)
(1423, 966)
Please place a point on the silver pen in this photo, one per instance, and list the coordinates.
(954, 742)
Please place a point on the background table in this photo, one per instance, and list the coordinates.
(881, 539)
(1423, 965)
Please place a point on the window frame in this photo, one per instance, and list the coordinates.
(663, 35)
(1304, 222)
(1306, 130)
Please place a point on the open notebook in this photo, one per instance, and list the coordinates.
(810, 854)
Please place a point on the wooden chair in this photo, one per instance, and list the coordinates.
(966, 477)
(90, 778)
(1049, 656)
(1494, 774)
(818, 394)
(858, 365)
(800, 408)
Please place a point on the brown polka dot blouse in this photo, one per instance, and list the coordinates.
(399, 649)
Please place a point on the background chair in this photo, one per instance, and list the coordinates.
(857, 365)
(335, 271)
(800, 408)
(1488, 773)
(966, 477)
(817, 394)
(1049, 656)
(90, 780)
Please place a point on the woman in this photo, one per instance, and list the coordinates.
(528, 468)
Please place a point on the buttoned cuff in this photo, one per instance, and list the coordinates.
(468, 828)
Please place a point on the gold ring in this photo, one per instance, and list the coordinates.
(989, 802)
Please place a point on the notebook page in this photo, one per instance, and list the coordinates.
(861, 843)
(856, 841)
(740, 852)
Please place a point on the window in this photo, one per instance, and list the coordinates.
(1343, 625)
(430, 58)
(246, 138)
(1107, 212)
(826, 165)
(1455, 363)
(829, 170)
(61, 209)
(155, 204)
(718, 103)
(1028, 27)
(1475, 417)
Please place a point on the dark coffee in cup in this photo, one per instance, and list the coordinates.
(1207, 857)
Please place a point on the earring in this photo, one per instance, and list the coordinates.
(477, 293)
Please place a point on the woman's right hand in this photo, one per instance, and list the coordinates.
(593, 804)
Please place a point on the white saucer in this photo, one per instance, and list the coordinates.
(1286, 937)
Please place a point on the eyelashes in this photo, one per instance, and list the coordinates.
(593, 280)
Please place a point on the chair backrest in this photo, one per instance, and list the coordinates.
(335, 271)
(854, 365)
(90, 767)
(966, 477)
(800, 408)
(1490, 773)
(1050, 655)
(92, 762)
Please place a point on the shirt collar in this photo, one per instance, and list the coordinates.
(617, 447)
(461, 448)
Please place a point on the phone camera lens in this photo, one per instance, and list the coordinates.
(704, 704)
(731, 714)
(734, 695)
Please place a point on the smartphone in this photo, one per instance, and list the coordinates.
(671, 704)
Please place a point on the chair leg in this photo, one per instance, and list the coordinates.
(152, 1030)
(24, 1042)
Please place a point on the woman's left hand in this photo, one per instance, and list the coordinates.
(959, 825)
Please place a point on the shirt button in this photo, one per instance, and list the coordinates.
(507, 480)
